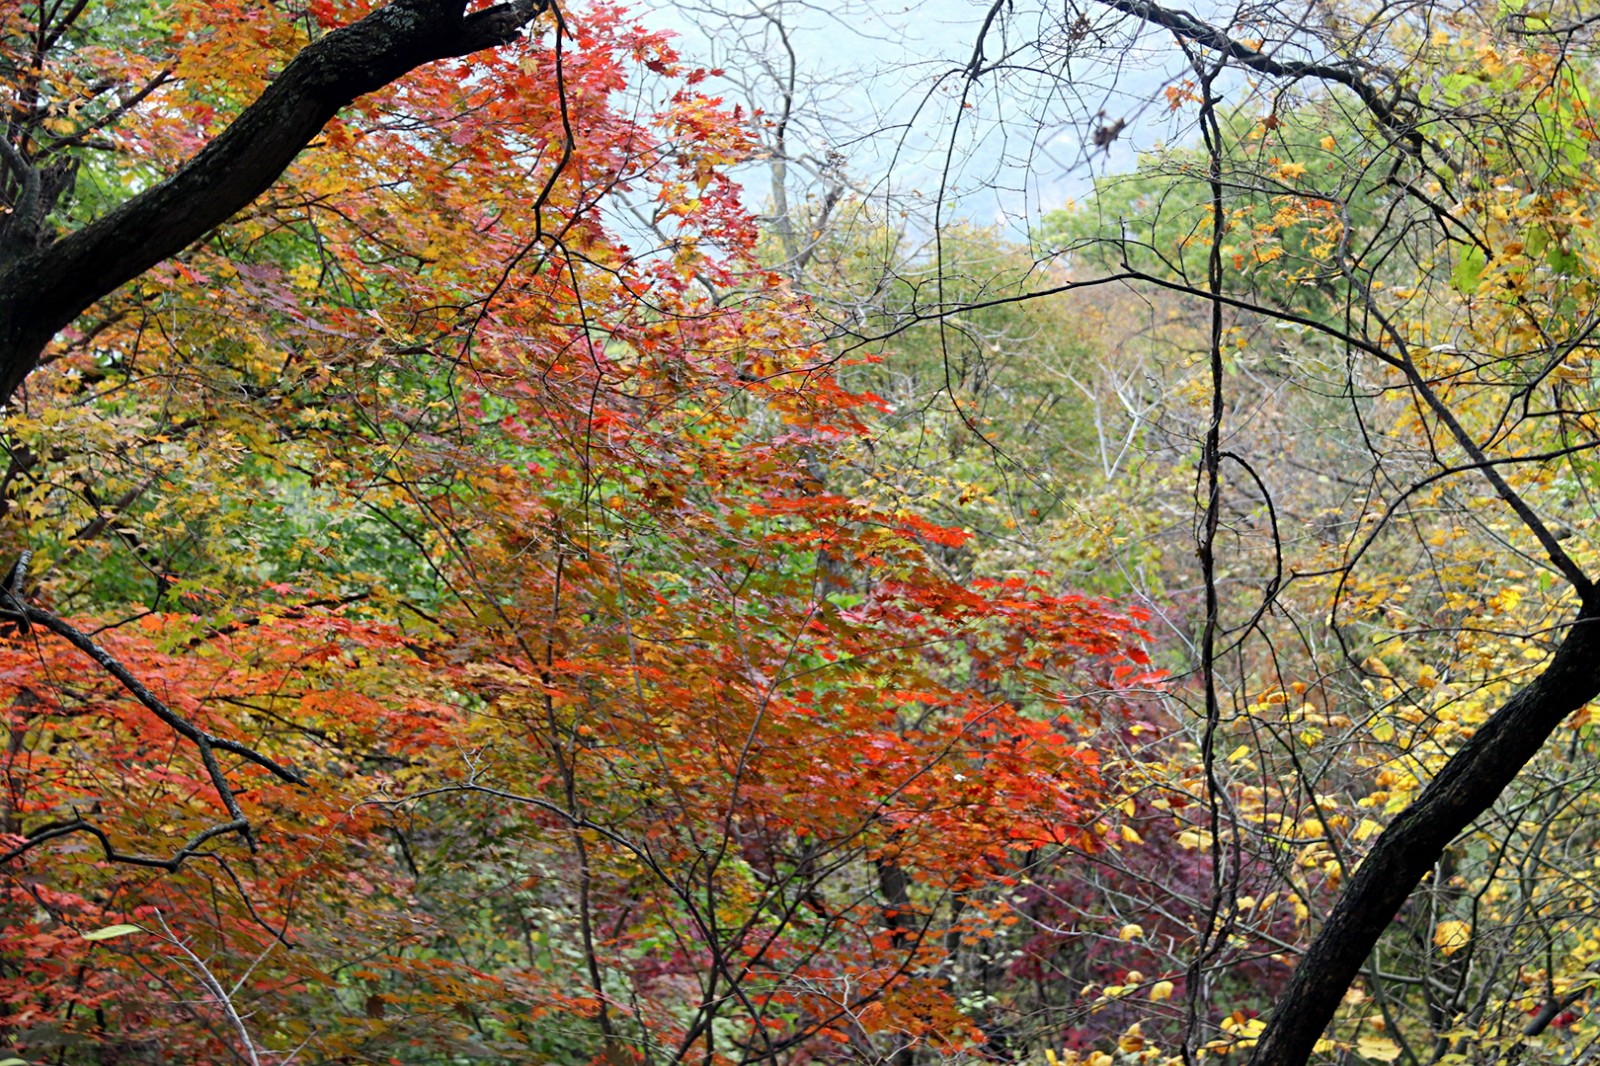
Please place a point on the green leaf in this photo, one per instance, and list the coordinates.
(1562, 260)
(1455, 87)
(1469, 270)
(108, 933)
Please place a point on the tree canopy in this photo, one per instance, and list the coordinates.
(487, 587)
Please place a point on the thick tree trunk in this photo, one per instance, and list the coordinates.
(42, 289)
(1404, 853)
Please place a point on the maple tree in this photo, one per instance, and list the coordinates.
(489, 600)
(484, 664)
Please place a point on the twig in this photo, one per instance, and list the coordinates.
(15, 608)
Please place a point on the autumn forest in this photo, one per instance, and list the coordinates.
(543, 532)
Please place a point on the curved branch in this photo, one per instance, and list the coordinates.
(1189, 28)
(43, 290)
(1464, 788)
(179, 724)
(110, 852)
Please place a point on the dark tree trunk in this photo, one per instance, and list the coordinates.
(45, 284)
(1464, 788)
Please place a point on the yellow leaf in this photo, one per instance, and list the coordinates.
(1451, 937)
(1329, 144)
(1131, 932)
(1160, 991)
(1377, 1048)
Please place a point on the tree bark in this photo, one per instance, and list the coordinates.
(1463, 789)
(44, 287)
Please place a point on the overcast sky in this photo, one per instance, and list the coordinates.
(881, 83)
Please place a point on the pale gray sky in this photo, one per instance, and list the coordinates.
(881, 83)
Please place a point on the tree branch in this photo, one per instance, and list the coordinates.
(1188, 27)
(1464, 788)
(16, 609)
(179, 724)
(43, 289)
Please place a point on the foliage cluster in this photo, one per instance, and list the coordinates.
(491, 601)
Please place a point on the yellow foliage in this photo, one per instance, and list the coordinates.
(1451, 936)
